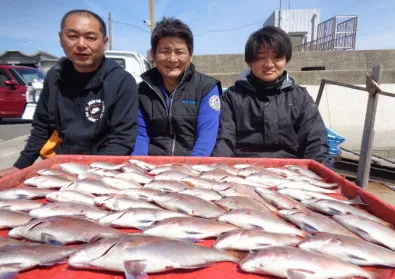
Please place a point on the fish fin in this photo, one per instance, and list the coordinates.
(238, 255)
(334, 211)
(10, 274)
(299, 274)
(253, 226)
(191, 239)
(135, 269)
(357, 200)
(50, 239)
(308, 228)
(355, 257)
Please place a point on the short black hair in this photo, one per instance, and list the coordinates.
(86, 12)
(270, 37)
(171, 27)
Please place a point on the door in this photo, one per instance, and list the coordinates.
(12, 99)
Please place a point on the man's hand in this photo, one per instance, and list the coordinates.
(8, 171)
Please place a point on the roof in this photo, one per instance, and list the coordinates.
(38, 53)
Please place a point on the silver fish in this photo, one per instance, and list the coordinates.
(303, 171)
(57, 172)
(241, 180)
(142, 164)
(132, 168)
(229, 169)
(203, 167)
(179, 168)
(144, 194)
(279, 200)
(91, 186)
(23, 192)
(302, 195)
(249, 239)
(136, 177)
(71, 196)
(206, 194)
(48, 181)
(283, 172)
(201, 182)
(68, 208)
(215, 174)
(11, 219)
(139, 218)
(142, 254)
(188, 204)
(171, 175)
(120, 184)
(291, 262)
(62, 230)
(167, 185)
(313, 181)
(23, 256)
(74, 168)
(254, 170)
(188, 228)
(267, 221)
(370, 230)
(306, 187)
(314, 222)
(5, 241)
(120, 203)
(103, 172)
(241, 166)
(268, 180)
(333, 207)
(349, 249)
(242, 203)
(236, 190)
(19, 205)
(107, 166)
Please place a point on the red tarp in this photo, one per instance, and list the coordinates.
(219, 270)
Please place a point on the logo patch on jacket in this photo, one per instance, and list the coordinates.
(214, 103)
(94, 110)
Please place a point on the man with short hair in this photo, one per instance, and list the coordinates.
(95, 101)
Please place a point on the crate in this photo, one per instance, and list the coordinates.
(219, 270)
(334, 140)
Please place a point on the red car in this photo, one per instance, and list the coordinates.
(14, 85)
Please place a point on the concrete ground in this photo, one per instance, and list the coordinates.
(10, 149)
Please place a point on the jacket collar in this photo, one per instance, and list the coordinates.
(248, 80)
(153, 76)
(64, 64)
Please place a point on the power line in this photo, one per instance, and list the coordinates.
(102, 16)
(229, 30)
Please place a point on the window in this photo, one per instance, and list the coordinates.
(3, 77)
(120, 61)
(28, 75)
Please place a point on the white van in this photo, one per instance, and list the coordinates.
(131, 61)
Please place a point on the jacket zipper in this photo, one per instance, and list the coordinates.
(171, 126)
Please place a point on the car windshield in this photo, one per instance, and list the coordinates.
(29, 74)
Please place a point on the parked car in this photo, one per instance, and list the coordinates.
(131, 61)
(20, 87)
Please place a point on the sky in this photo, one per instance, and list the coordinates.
(219, 26)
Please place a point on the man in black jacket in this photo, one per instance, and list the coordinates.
(265, 114)
(95, 101)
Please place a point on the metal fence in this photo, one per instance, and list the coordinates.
(337, 33)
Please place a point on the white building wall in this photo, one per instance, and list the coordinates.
(296, 21)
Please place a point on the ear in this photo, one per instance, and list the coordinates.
(60, 38)
(152, 53)
(191, 58)
(105, 42)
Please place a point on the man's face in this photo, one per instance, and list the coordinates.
(268, 66)
(83, 42)
(172, 57)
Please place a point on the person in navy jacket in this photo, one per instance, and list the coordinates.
(179, 107)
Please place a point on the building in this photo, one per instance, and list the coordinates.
(301, 25)
(41, 60)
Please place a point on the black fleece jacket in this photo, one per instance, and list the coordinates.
(99, 119)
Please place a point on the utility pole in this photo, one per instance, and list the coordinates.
(110, 31)
(151, 15)
(279, 14)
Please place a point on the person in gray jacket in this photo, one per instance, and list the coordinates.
(266, 114)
